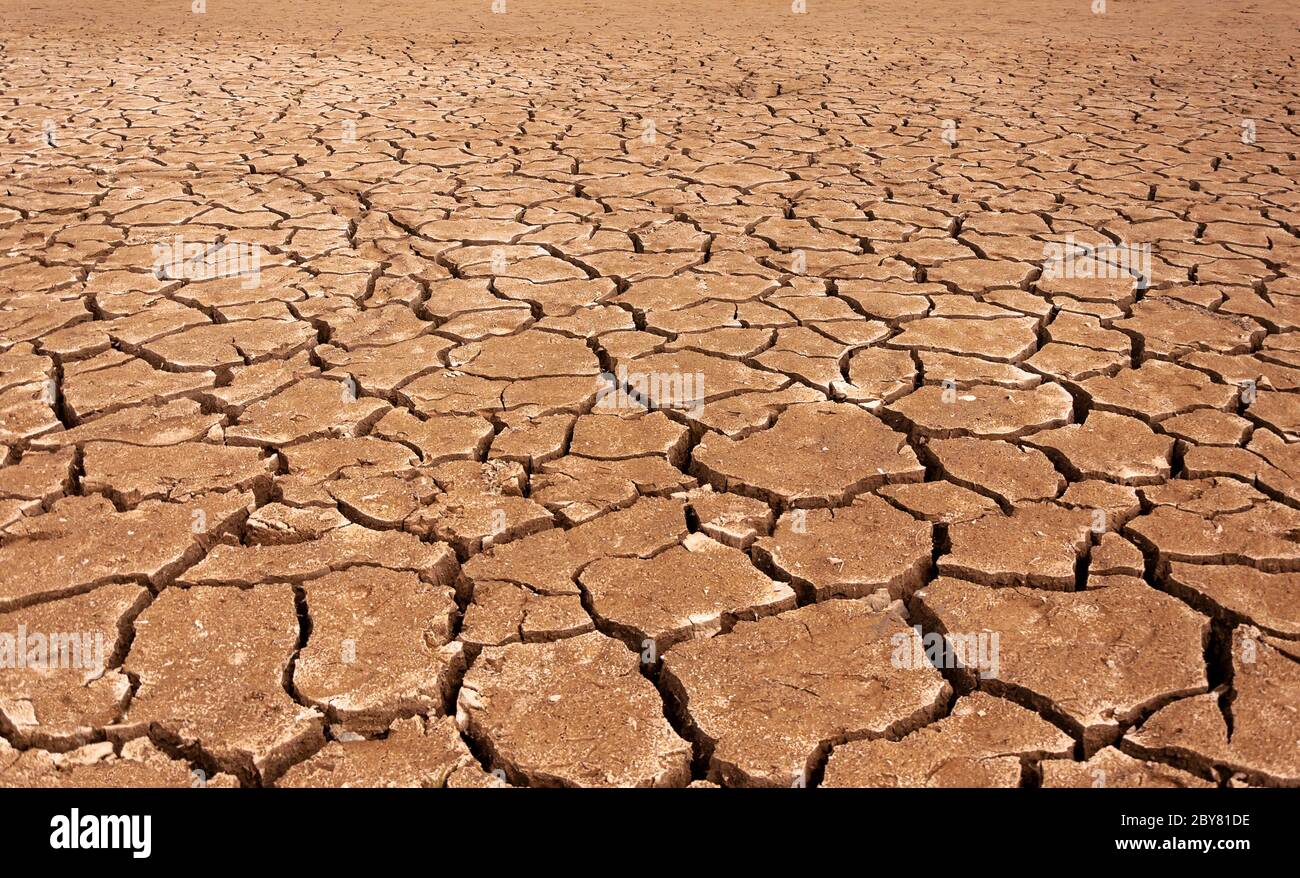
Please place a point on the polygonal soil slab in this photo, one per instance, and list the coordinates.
(453, 437)
(380, 647)
(1038, 544)
(530, 354)
(1110, 768)
(211, 665)
(852, 551)
(657, 378)
(816, 455)
(1239, 594)
(113, 381)
(730, 519)
(1157, 390)
(507, 612)
(578, 489)
(130, 474)
(1098, 660)
(311, 409)
(337, 549)
(1169, 328)
(985, 410)
(1257, 533)
(575, 712)
(998, 469)
(547, 562)
(1250, 730)
(938, 501)
(770, 698)
(689, 591)
(57, 686)
(744, 413)
(83, 542)
(231, 344)
(1109, 446)
(621, 438)
(983, 742)
(1008, 340)
(417, 753)
(180, 420)
(97, 766)
(382, 370)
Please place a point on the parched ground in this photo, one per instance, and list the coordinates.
(954, 433)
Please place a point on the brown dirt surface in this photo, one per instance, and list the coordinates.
(703, 392)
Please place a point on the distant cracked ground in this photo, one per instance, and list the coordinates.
(980, 323)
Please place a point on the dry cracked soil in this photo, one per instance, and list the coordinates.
(672, 394)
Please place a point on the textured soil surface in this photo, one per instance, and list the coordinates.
(673, 394)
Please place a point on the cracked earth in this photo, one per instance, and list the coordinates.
(360, 512)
